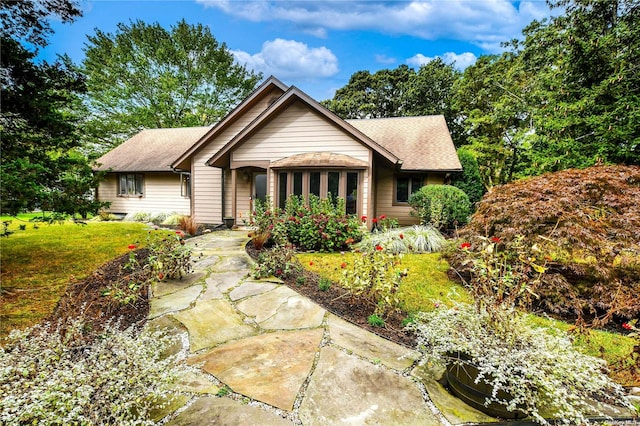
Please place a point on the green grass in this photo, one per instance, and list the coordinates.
(427, 283)
(37, 264)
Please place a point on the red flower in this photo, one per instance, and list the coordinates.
(401, 236)
(627, 326)
(160, 275)
(349, 241)
(374, 220)
(131, 246)
(379, 247)
(465, 246)
(363, 218)
(383, 217)
(279, 272)
(343, 265)
(495, 239)
(311, 263)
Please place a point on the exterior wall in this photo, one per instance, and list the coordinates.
(385, 197)
(297, 130)
(207, 181)
(161, 195)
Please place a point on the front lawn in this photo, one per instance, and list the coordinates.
(38, 263)
(427, 283)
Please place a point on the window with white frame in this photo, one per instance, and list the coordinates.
(131, 185)
(343, 183)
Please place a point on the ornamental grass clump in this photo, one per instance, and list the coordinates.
(51, 374)
(413, 239)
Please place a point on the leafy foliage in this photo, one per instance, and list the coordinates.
(280, 261)
(373, 275)
(50, 375)
(320, 224)
(441, 206)
(469, 179)
(145, 76)
(588, 224)
(538, 367)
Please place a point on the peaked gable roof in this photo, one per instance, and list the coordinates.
(151, 150)
(294, 94)
(270, 85)
(422, 143)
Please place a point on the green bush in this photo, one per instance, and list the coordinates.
(50, 375)
(320, 224)
(441, 206)
(279, 261)
(469, 179)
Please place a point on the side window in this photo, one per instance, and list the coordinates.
(131, 185)
(405, 186)
(185, 185)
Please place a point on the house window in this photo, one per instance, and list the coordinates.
(185, 185)
(342, 184)
(407, 185)
(131, 185)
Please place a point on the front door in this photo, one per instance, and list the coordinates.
(260, 187)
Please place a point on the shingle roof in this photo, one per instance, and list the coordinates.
(319, 159)
(151, 150)
(422, 143)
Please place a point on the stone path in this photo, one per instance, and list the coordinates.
(269, 356)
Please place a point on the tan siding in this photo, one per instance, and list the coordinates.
(243, 206)
(296, 131)
(161, 195)
(207, 181)
(385, 196)
(227, 193)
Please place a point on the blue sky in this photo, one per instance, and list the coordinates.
(318, 45)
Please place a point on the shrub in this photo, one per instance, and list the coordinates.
(469, 179)
(374, 277)
(587, 222)
(324, 284)
(321, 224)
(441, 206)
(278, 262)
(49, 375)
(538, 367)
(169, 256)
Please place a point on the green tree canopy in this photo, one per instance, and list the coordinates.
(145, 76)
(401, 92)
(39, 138)
(587, 84)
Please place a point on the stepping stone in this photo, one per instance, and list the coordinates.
(204, 262)
(347, 390)
(282, 309)
(212, 322)
(163, 288)
(369, 345)
(226, 412)
(174, 302)
(251, 288)
(233, 263)
(270, 368)
(196, 383)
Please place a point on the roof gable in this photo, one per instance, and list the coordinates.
(270, 87)
(423, 143)
(292, 95)
(151, 150)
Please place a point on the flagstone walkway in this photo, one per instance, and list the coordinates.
(269, 356)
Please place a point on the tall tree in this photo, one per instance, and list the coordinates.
(145, 76)
(37, 124)
(587, 84)
(400, 92)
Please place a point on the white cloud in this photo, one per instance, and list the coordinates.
(486, 23)
(384, 59)
(460, 61)
(290, 59)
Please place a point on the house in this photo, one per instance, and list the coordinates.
(277, 142)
